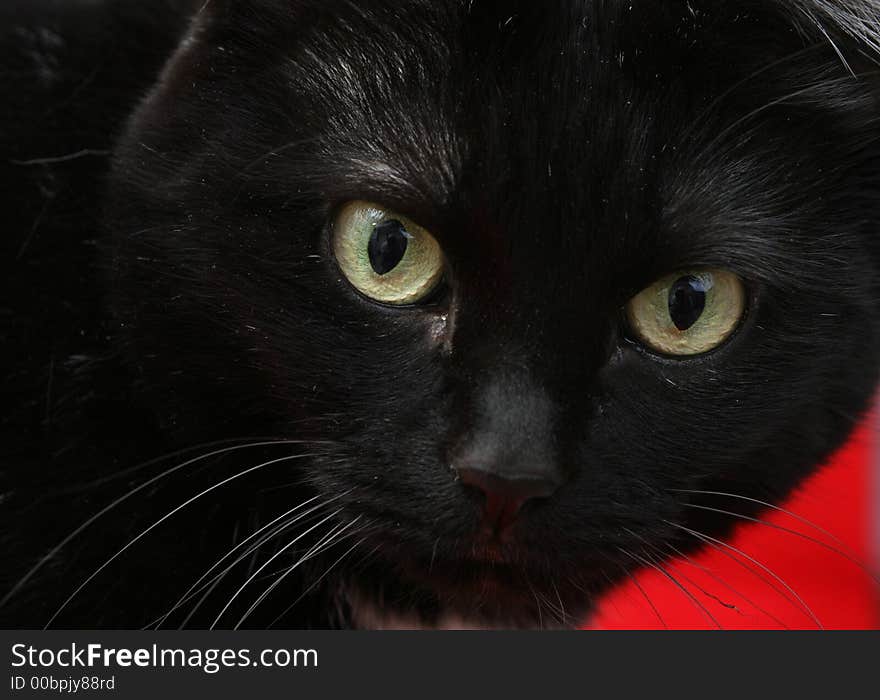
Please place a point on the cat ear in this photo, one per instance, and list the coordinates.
(851, 27)
(213, 23)
(857, 22)
(255, 11)
(264, 23)
(221, 37)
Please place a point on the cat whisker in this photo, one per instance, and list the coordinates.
(314, 550)
(166, 517)
(564, 620)
(557, 614)
(115, 476)
(278, 576)
(307, 518)
(710, 595)
(69, 538)
(781, 528)
(719, 544)
(647, 560)
(211, 587)
(362, 562)
(765, 504)
(844, 551)
(647, 597)
(218, 578)
(433, 555)
(634, 580)
(263, 567)
(321, 578)
(757, 574)
(327, 571)
(537, 605)
(329, 540)
(212, 583)
(665, 555)
(692, 562)
(194, 588)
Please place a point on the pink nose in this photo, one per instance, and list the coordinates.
(504, 496)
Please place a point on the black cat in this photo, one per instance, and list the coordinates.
(419, 313)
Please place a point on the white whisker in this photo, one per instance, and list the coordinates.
(194, 590)
(269, 561)
(163, 519)
(852, 559)
(718, 543)
(324, 575)
(650, 562)
(333, 539)
(58, 547)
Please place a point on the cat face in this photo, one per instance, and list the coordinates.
(524, 276)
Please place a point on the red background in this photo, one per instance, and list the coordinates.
(815, 585)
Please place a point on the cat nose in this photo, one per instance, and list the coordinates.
(508, 451)
(505, 494)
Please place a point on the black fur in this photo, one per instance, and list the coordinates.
(171, 286)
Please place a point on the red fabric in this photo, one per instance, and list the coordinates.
(839, 594)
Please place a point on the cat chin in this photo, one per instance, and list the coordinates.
(400, 591)
(365, 613)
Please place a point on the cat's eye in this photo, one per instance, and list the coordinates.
(688, 313)
(386, 256)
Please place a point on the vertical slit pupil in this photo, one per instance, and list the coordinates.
(687, 301)
(387, 246)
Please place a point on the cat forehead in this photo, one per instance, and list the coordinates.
(416, 79)
(407, 68)
(558, 113)
(417, 27)
(410, 98)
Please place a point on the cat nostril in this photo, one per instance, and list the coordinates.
(505, 496)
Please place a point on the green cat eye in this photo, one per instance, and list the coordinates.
(386, 256)
(688, 313)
